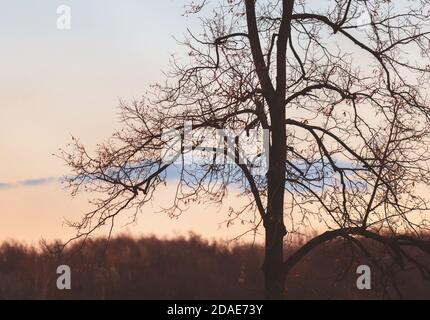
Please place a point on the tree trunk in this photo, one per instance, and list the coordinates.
(274, 225)
(274, 279)
(274, 221)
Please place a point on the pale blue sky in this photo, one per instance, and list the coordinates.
(56, 83)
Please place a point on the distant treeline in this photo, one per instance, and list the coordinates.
(192, 268)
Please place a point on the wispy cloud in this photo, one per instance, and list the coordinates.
(29, 183)
(5, 185)
(38, 182)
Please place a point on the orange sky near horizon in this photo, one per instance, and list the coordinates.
(32, 213)
(54, 84)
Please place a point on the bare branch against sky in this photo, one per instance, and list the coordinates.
(294, 125)
(340, 90)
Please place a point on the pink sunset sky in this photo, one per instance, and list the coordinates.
(54, 84)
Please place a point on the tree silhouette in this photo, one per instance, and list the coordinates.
(340, 86)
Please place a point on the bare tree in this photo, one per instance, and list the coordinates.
(341, 87)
